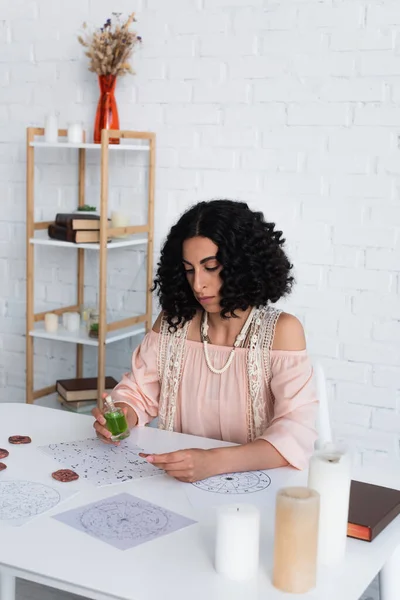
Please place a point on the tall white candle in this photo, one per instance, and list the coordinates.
(50, 322)
(330, 475)
(237, 541)
(75, 133)
(73, 321)
(51, 128)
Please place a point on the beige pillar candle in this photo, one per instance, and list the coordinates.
(296, 540)
(120, 219)
(50, 322)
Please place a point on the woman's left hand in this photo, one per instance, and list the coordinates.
(185, 465)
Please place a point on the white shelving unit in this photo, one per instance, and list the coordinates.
(82, 336)
(87, 146)
(136, 235)
(122, 243)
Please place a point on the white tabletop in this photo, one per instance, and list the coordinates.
(177, 566)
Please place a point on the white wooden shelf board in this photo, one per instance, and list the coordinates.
(88, 146)
(135, 240)
(82, 337)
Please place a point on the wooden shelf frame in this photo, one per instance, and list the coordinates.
(105, 232)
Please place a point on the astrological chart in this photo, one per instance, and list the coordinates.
(235, 483)
(102, 464)
(20, 501)
(253, 487)
(124, 521)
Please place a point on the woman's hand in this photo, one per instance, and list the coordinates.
(185, 465)
(100, 425)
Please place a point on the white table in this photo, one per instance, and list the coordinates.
(177, 566)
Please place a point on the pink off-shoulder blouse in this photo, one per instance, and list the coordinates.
(214, 406)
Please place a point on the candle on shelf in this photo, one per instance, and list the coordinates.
(119, 219)
(65, 319)
(50, 322)
(237, 541)
(296, 540)
(75, 133)
(73, 321)
(51, 128)
(330, 475)
(84, 312)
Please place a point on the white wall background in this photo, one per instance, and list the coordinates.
(293, 106)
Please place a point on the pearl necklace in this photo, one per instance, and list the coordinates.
(239, 339)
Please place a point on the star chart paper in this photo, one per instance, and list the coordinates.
(124, 521)
(254, 487)
(22, 500)
(102, 464)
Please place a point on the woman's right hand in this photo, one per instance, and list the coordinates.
(100, 425)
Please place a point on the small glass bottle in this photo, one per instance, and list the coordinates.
(116, 420)
(93, 323)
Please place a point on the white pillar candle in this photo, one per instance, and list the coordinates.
(75, 133)
(50, 322)
(51, 128)
(120, 219)
(73, 321)
(237, 541)
(330, 475)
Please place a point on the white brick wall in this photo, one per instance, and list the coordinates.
(292, 106)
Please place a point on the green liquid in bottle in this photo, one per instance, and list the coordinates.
(117, 424)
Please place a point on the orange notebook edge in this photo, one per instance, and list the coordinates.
(360, 532)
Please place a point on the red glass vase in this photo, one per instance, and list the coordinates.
(107, 111)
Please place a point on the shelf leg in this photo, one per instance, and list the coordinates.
(30, 261)
(150, 222)
(103, 267)
(389, 577)
(7, 586)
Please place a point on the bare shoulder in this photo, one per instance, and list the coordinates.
(289, 333)
(157, 323)
(196, 320)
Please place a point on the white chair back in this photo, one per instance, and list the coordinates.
(323, 419)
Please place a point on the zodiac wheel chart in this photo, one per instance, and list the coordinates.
(124, 520)
(21, 499)
(235, 483)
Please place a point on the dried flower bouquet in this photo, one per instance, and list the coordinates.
(110, 47)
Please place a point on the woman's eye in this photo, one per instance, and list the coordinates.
(189, 270)
(211, 268)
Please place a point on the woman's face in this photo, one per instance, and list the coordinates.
(203, 270)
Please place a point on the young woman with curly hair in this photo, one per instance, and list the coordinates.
(221, 362)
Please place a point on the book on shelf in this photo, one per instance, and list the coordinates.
(80, 407)
(85, 388)
(371, 509)
(65, 234)
(77, 221)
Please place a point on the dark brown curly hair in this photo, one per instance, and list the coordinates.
(255, 268)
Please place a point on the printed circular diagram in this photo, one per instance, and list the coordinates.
(123, 520)
(21, 499)
(235, 483)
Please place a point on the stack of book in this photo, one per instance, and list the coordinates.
(80, 395)
(80, 228)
